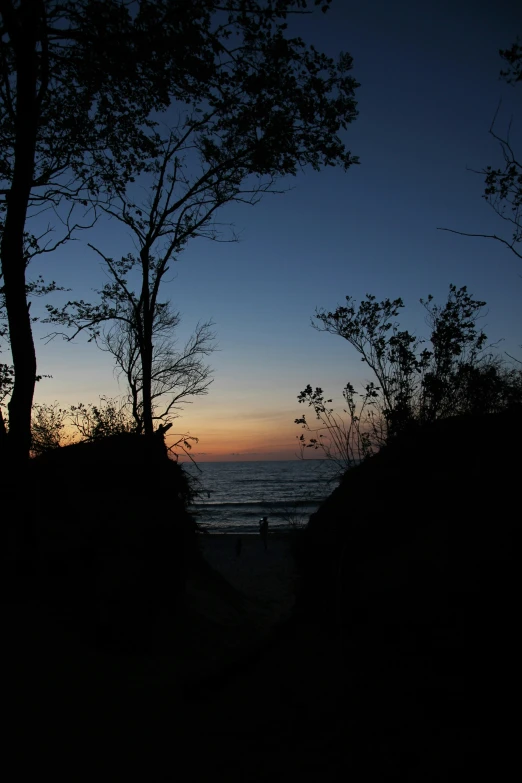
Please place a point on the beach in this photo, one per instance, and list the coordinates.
(266, 577)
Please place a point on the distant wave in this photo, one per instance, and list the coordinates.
(292, 481)
(257, 503)
(234, 496)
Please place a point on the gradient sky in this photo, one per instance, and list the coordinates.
(429, 75)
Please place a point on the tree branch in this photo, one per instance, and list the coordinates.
(484, 236)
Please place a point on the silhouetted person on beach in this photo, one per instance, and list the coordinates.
(239, 544)
(263, 530)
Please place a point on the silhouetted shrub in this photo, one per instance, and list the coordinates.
(414, 384)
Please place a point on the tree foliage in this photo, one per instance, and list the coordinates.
(53, 426)
(94, 422)
(48, 428)
(416, 382)
(347, 437)
(82, 87)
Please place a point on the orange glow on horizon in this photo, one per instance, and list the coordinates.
(229, 430)
(239, 438)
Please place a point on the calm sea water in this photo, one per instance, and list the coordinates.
(233, 496)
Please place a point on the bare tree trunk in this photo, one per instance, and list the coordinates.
(146, 364)
(138, 419)
(24, 33)
(22, 347)
(147, 317)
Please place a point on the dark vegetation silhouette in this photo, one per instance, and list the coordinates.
(100, 554)
(83, 85)
(412, 560)
(54, 426)
(432, 493)
(78, 88)
(415, 381)
(111, 553)
(408, 587)
(159, 375)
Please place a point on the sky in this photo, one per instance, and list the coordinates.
(429, 75)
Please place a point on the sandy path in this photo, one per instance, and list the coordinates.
(268, 577)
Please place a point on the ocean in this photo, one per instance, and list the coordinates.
(233, 496)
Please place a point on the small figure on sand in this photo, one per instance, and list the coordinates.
(263, 530)
(239, 544)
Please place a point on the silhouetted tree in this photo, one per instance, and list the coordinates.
(33, 288)
(390, 352)
(415, 385)
(176, 373)
(80, 82)
(503, 184)
(159, 374)
(344, 438)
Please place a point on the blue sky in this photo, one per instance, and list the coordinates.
(429, 75)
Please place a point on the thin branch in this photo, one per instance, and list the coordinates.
(117, 277)
(483, 236)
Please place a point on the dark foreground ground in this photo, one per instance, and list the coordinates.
(302, 701)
